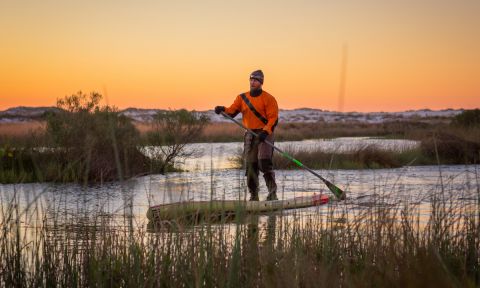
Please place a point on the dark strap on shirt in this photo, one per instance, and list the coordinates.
(250, 105)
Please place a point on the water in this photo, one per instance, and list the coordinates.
(210, 177)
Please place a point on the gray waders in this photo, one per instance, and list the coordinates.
(258, 156)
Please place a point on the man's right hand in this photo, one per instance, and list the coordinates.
(219, 109)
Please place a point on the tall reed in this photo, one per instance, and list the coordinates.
(378, 245)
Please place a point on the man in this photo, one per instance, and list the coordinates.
(260, 114)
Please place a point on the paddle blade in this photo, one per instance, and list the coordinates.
(339, 193)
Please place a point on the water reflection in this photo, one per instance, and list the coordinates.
(258, 229)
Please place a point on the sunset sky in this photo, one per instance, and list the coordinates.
(196, 54)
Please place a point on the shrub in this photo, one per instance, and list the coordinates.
(94, 143)
(468, 118)
(172, 130)
(450, 148)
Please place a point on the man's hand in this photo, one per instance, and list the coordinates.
(262, 135)
(219, 109)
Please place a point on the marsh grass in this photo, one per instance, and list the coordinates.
(446, 147)
(378, 245)
(366, 157)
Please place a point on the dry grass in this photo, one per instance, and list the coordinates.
(22, 129)
(227, 132)
(143, 128)
(379, 246)
(25, 134)
(213, 132)
(220, 132)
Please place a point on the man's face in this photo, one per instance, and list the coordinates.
(255, 84)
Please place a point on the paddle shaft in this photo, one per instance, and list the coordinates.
(335, 190)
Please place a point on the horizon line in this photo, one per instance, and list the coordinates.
(300, 108)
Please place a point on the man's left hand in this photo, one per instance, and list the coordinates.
(219, 109)
(262, 135)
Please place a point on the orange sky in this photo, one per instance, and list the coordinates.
(197, 54)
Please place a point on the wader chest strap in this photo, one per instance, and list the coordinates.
(250, 105)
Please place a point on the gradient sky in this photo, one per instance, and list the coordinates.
(197, 54)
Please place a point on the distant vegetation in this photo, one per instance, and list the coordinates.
(448, 143)
(457, 142)
(85, 142)
(468, 119)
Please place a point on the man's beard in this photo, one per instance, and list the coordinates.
(255, 91)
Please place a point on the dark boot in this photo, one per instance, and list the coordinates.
(266, 166)
(271, 185)
(272, 196)
(252, 180)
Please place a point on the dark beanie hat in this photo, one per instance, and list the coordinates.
(257, 74)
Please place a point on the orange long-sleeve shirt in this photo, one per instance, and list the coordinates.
(264, 103)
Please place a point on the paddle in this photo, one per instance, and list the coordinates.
(339, 193)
